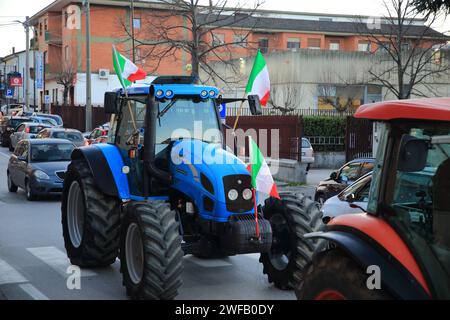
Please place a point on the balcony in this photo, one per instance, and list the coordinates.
(52, 38)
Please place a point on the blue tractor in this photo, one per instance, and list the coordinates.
(164, 186)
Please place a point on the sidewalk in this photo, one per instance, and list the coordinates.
(313, 178)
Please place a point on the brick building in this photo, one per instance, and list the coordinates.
(59, 32)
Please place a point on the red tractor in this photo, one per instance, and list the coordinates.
(400, 248)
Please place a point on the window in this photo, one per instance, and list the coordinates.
(293, 44)
(66, 53)
(366, 168)
(364, 46)
(40, 28)
(263, 45)
(360, 189)
(137, 23)
(218, 39)
(45, 25)
(335, 45)
(20, 128)
(51, 152)
(240, 40)
(350, 172)
(314, 43)
(405, 47)
(384, 47)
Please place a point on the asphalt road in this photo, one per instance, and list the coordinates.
(33, 262)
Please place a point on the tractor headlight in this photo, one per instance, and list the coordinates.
(233, 194)
(247, 194)
(204, 94)
(41, 175)
(212, 93)
(159, 93)
(169, 93)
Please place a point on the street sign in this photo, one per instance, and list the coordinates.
(39, 70)
(9, 93)
(47, 99)
(223, 110)
(16, 81)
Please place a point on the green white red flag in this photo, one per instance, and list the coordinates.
(259, 81)
(262, 179)
(126, 71)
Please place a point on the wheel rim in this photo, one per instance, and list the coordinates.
(330, 295)
(75, 214)
(134, 253)
(280, 252)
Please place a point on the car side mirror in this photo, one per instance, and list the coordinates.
(255, 105)
(412, 155)
(351, 198)
(111, 103)
(333, 175)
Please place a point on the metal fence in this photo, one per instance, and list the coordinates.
(232, 112)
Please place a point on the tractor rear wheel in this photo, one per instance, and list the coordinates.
(332, 275)
(290, 218)
(90, 219)
(151, 258)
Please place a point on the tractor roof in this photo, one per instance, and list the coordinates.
(426, 109)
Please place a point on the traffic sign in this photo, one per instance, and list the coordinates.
(223, 110)
(16, 81)
(47, 99)
(9, 93)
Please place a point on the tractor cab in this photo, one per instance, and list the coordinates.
(406, 230)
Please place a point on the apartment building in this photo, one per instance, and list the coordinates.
(59, 33)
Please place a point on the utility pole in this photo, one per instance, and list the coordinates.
(27, 63)
(88, 112)
(132, 31)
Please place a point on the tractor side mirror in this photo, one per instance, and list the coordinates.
(111, 103)
(412, 155)
(333, 175)
(255, 105)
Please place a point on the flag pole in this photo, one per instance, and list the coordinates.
(238, 114)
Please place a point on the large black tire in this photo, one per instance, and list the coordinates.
(290, 218)
(160, 257)
(333, 275)
(5, 142)
(31, 195)
(98, 242)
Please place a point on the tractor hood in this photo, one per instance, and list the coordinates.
(198, 169)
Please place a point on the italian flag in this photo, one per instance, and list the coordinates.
(259, 82)
(126, 70)
(262, 180)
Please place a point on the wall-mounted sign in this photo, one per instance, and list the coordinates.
(39, 58)
(15, 81)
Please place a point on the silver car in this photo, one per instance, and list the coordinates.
(26, 130)
(73, 135)
(307, 153)
(352, 199)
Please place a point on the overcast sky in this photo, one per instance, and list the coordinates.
(14, 35)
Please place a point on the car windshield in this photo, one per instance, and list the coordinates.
(35, 129)
(69, 135)
(14, 123)
(305, 143)
(51, 152)
(421, 198)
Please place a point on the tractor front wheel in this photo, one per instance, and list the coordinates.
(290, 218)
(151, 258)
(90, 219)
(333, 275)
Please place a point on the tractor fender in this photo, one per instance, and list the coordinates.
(105, 163)
(395, 278)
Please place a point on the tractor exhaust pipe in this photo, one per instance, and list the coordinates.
(150, 140)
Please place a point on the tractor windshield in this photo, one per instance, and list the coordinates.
(187, 118)
(421, 199)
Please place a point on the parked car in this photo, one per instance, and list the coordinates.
(43, 120)
(307, 153)
(72, 135)
(97, 133)
(54, 117)
(12, 108)
(26, 130)
(39, 166)
(7, 127)
(340, 179)
(356, 195)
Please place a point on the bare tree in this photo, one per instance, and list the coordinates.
(430, 7)
(405, 55)
(285, 98)
(66, 77)
(194, 29)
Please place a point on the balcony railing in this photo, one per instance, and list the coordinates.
(51, 38)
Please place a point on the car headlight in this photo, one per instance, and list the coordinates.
(247, 194)
(41, 175)
(233, 194)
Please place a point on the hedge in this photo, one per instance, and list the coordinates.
(324, 126)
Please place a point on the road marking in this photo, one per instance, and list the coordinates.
(33, 292)
(209, 263)
(10, 275)
(57, 260)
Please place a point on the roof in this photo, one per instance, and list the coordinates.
(59, 129)
(437, 109)
(48, 141)
(322, 26)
